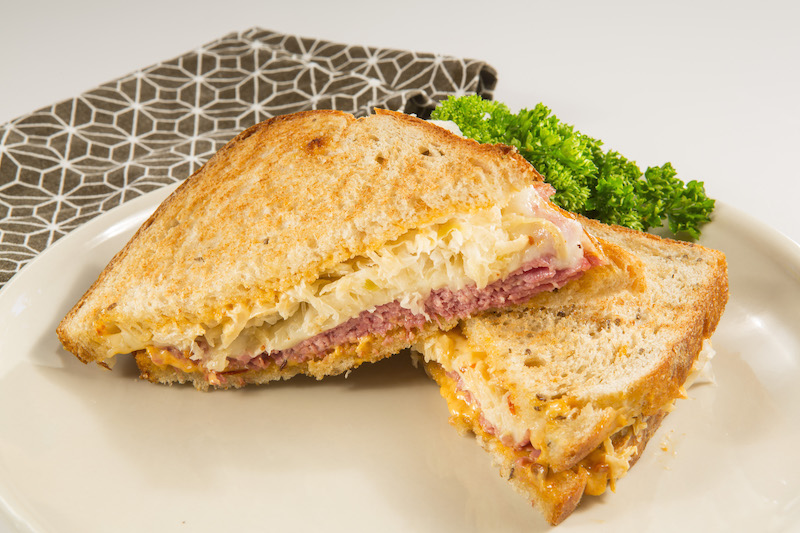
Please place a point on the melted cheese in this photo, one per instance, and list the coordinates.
(452, 351)
(602, 467)
(702, 371)
(605, 465)
(471, 249)
(164, 358)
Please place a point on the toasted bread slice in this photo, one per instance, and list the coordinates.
(565, 390)
(313, 242)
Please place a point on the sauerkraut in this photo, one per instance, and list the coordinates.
(470, 249)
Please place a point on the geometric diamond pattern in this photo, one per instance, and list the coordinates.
(65, 164)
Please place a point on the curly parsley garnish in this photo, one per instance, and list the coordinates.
(588, 180)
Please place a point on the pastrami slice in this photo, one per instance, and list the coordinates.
(442, 306)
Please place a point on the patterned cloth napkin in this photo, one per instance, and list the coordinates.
(63, 165)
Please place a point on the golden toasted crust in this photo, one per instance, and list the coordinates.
(555, 494)
(623, 353)
(282, 202)
(585, 363)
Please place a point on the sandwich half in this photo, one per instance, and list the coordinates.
(314, 242)
(565, 391)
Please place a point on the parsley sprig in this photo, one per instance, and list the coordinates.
(588, 180)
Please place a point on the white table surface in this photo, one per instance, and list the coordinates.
(713, 87)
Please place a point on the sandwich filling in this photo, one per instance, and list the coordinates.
(601, 467)
(475, 399)
(450, 269)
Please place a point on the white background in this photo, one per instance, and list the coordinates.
(713, 87)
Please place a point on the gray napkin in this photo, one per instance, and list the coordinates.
(65, 164)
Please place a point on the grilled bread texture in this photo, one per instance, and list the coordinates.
(281, 206)
(565, 391)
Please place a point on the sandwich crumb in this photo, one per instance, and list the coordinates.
(667, 445)
(666, 442)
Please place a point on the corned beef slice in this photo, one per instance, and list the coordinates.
(444, 304)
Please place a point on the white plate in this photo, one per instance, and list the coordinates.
(87, 450)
